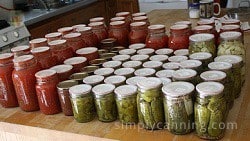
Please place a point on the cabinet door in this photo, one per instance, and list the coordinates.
(127, 5)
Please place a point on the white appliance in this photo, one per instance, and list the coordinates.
(13, 36)
(149, 5)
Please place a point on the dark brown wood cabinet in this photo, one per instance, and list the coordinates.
(104, 8)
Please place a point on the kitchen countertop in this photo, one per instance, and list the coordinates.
(37, 15)
(18, 125)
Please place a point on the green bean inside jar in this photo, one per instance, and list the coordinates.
(126, 104)
(204, 57)
(82, 103)
(209, 109)
(150, 104)
(227, 68)
(218, 76)
(178, 107)
(105, 102)
(236, 62)
(188, 75)
(231, 43)
(202, 43)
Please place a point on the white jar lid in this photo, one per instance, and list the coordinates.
(103, 89)
(75, 60)
(181, 52)
(134, 80)
(230, 27)
(183, 23)
(177, 89)
(53, 34)
(165, 81)
(125, 90)
(149, 83)
(161, 58)
(164, 51)
(178, 27)
(187, 64)
(139, 14)
(116, 79)
(165, 73)
(122, 14)
(213, 75)
(156, 26)
(152, 64)
(134, 24)
(137, 46)
(20, 48)
(230, 35)
(72, 35)
(209, 89)
(112, 64)
(220, 65)
(177, 58)
(184, 73)
(104, 71)
(38, 40)
(124, 71)
(45, 73)
(139, 57)
(202, 37)
(146, 51)
(127, 51)
(93, 79)
(171, 66)
(86, 50)
(38, 49)
(233, 59)
(131, 64)
(144, 72)
(62, 68)
(203, 27)
(120, 58)
(200, 56)
(79, 90)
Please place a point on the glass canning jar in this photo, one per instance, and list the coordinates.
(98, 19)
(61, 50)
(141, 19)
(20, 50)
(65, 30)
(119, 31)
(204, 57)
(64, 96)
(88, 36)
(192, 64)
(126, 15)
(211, 23)
(53, 36)
(78, 76)
(150, 103)
(63, 71)
(178, 107)
(82, 103)
(139, 14)
(90, 53)
(46, 91)
(77, 62)
(116, 80)
(187, 75)
(24, 81)
(127, 72)
(38, 42)
(236, 62)
(203, 42)
(7, 92)
(221, 77)
(44, 57)
(105, 102)
(99, 29)
(165, 51)
(78, 26)
(138, 32)
(93, 80)
(226, 68)
(126, 104)
(157, 37)
(104, 71)
(209, 110)
(74, 41)
(203, 29)
(179, 37)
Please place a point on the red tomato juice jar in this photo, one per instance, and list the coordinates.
(53, 36)
(157, 37)
(99, 29)
(39, 42)
(91, 53)
(74, 41)
(119, 31)
(20, 50)
(88, 36)
(138, 32)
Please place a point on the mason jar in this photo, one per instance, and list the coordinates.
(107, 56)
(171, 66)
(127, 72)
(203, 42)
(93, 80)
(227, 68)
(63, 71)
(77, 62)
(237, 62)
(178, 107)
(187, 75)
(156, 37)
(157, 65)
(145, 72)
(132, 64)
(204, 57)
(209, 110)
(150, 104)
(82, 103)
(177, 59)
(78, 76)
(126, 104)
(105, 102)
(192, 64)
(116, 80)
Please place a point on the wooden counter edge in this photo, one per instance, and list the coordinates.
(15, 132)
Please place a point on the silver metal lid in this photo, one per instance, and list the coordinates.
(171, 66)
(220, 66)
(161, 58)
(144, 72)
(104, 71)
(127, 51)
(93, 79)
(184, 73)
(177, 59)
(164, 51)
(177, 89)
(124, 71)
(134, 80)
(132, 64)
(200, 56)
(181, 52)
(79, 90)
(149, 83)
(120, 58)
(187, 64)
(213, 75)
(209, 89)
(139, 57)
(165, 73)
(152, 64)
(116, 79)
(112, 64)
(202, 37)
(137, 46)
(233, 59)
(146, 51)
(103, 89)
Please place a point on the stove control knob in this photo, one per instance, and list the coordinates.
(16, 34)
(4, 38)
